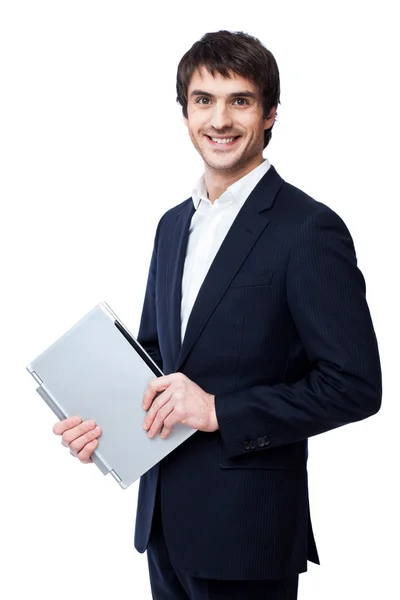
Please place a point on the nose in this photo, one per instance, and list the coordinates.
(220, 116)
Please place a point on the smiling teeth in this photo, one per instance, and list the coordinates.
(223, 140)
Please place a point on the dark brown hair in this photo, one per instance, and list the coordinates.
(232, 51)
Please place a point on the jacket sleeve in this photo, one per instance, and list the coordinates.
(147, 335)
(326, 298)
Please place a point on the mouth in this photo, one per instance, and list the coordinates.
(222, 142)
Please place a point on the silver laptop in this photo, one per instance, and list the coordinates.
(99, 371)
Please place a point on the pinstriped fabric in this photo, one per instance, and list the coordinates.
(171, 583)
(282, 335)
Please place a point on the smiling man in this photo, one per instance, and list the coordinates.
(226, 122)
(255, 309)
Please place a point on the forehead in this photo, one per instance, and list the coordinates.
(219, 85)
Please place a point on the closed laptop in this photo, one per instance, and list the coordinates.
(99, 371)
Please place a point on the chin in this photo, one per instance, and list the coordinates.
(229, 166)
(221, 163)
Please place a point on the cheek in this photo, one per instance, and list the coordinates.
(197, 121)
(197, 125)
(194, 132)
(253, 124)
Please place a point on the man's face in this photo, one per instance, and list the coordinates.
(225, 121)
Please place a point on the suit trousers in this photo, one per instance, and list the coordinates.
(170, 583)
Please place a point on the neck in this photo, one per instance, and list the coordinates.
(218, 181)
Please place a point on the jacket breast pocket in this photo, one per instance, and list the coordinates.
(252, 279)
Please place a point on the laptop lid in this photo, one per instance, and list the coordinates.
(99, 371)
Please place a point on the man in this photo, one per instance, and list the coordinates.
(256, 310)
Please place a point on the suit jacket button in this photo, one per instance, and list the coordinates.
(261, 442)
(266, 441)
(253, 444)
(247, 445)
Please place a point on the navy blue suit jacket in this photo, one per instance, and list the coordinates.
(282, 335)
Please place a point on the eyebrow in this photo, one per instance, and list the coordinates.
(244, 94)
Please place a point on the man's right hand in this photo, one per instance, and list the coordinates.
(80, 437)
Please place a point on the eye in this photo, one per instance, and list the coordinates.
(241, 101)
(200, 100)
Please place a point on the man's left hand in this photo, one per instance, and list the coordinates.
(181, 401)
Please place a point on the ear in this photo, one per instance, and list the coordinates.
(185, 120)
(269, 121)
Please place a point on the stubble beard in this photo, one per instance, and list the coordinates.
(232, 164)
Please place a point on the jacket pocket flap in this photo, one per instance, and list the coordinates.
(252, 279)
(283, 458)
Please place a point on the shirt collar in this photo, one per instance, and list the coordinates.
(237, 192)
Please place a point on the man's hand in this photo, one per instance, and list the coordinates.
(181, 401)
(80, 437)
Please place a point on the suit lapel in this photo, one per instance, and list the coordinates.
(241, 237)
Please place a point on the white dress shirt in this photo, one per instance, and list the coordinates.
(208, 228)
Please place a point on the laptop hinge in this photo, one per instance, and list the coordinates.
(116, 476)
(36, 377)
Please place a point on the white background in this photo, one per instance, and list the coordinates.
(93, 152)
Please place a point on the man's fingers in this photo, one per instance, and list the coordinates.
(155, 407)
(154, 389)
(77, 445)
(158, 422)
(169, 422)
(151, 393)
(79, 436)
(70, 435)
(165, 432)
(85, 453)
(65, 424)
